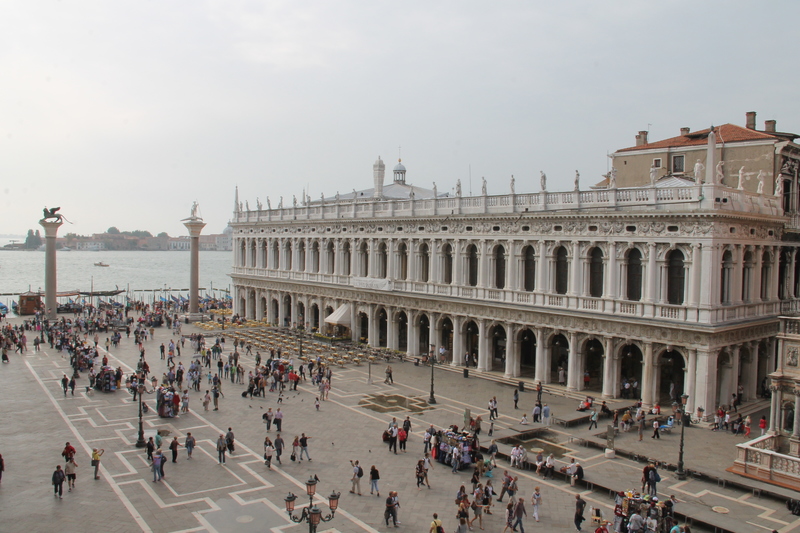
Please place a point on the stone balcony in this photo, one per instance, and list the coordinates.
(763, 459)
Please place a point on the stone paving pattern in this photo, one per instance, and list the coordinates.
(244, 496)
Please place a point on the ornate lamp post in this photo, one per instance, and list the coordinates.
(140, 443)
(312, 514)
(681, 473)
(432, 399)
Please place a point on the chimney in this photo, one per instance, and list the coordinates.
(641, 138)
(751, 120)
(684, 131)
(769, 126)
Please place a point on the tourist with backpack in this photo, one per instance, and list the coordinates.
(358, 473)
(436, 525)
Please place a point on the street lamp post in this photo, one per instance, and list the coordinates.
(432, 399)
(681, 472)
(312, 514)
(140, 443)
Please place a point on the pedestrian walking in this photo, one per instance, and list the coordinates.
(656, 425)
(428, 465)
(173, 446)
(389, 378)
(216, 393)
(419, 471)
(436, 525)
(516, 398)
(539, 391)
(593, 419)
(65, 384)
(519, 513)
(536, 501)
(278, 420)
(580, 506)
(189, 443)
(546, 414)
(509, 517)
(391, 510)
(229, 441)
(155, 466)
(358, 473)
(69, 471)
(374, 476)
(393, 438)
(96, 455)
(222, 447)
(304, 446)
(206, 401)
(402, 437)
(295, 448)
(57, 479)
(279, 445)
(151, 447)
(269, 450)
(641, 427)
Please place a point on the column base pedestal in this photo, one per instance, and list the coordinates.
(195, 317)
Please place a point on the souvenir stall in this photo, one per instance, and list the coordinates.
(106, 379)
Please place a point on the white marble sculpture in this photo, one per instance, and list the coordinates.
(458, 188)
(698, 171)
(513, 186)
(740, 186)
(543, 180)
(483, 186)
(435, 192)
(779, 186)
(653, 174)
(762, 176)
(612, 180)
(577, 180)
(718, 173)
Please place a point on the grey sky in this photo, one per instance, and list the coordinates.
(125, 112)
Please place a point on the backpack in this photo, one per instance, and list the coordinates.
(360, 472)
(439, 529)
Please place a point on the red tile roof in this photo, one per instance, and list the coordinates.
(727, 133)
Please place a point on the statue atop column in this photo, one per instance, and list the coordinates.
(698, 171)
(543, 180)
(193, 212)
(52, 214)
(719, 173)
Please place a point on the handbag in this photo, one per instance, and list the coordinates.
(95, 462)
(292, 457)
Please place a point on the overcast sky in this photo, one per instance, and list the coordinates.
(125, 112)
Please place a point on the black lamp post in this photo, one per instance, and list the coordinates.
(681, 473)
(432, 399)
(140, 443)
(312, 514)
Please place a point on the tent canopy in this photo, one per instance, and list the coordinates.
(340, 317)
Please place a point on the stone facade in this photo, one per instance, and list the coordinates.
(678, 288)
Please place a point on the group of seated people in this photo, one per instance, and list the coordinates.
(546, 468)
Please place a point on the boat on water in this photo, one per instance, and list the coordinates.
(101, 264)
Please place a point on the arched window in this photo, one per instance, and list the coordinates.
(447, 264)
(472, 265)
(766, 272)
(381, 266)
(633, 284)
(424, 262)
(363, 260)
(747, 277)
(499, 267)
(276, 256)
(402, 256)
(561, 270)
(726, 277)
(675, 277)
(301, 256)
(347, 258)
(529, 268)
(596, 273)
(243, 253)
(331, 259)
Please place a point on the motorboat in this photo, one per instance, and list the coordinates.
(101, 264)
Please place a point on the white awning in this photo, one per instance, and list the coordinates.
(340, 317)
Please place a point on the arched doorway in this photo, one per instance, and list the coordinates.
(262, 307)
(447, 339)
(287, 311)
(314, 317)
(724, 377)
(593, 365)
(497, 347)
(382, 328)
(423, 344)
(274, 311)
(471, 338)
(301, 315)
(630, 368)
(242, 306)
(328, 328)
(251, 307)
(527, 352)
(363, 326)
(671, 370)
(402, 331)
(559, 358)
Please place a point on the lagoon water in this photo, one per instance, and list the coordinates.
(24, 270)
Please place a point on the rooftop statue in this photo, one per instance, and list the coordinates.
(698, 171)
(719, 174)
(543, 180)
(52, 214)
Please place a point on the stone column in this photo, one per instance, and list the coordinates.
(50, 272)
(689, 380)
(458, 342)
(573, 376)
(736, 361)
(609, 389)
(650, 280)
(796, 426)
(775, 410)
(751, 387)
(542, 373)
(575, 284)
(513, 358)
(647, 376)
(195, 226)
(611, 272)
(373, 331)
(483, 347)
(391, 328)
(706, 384)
